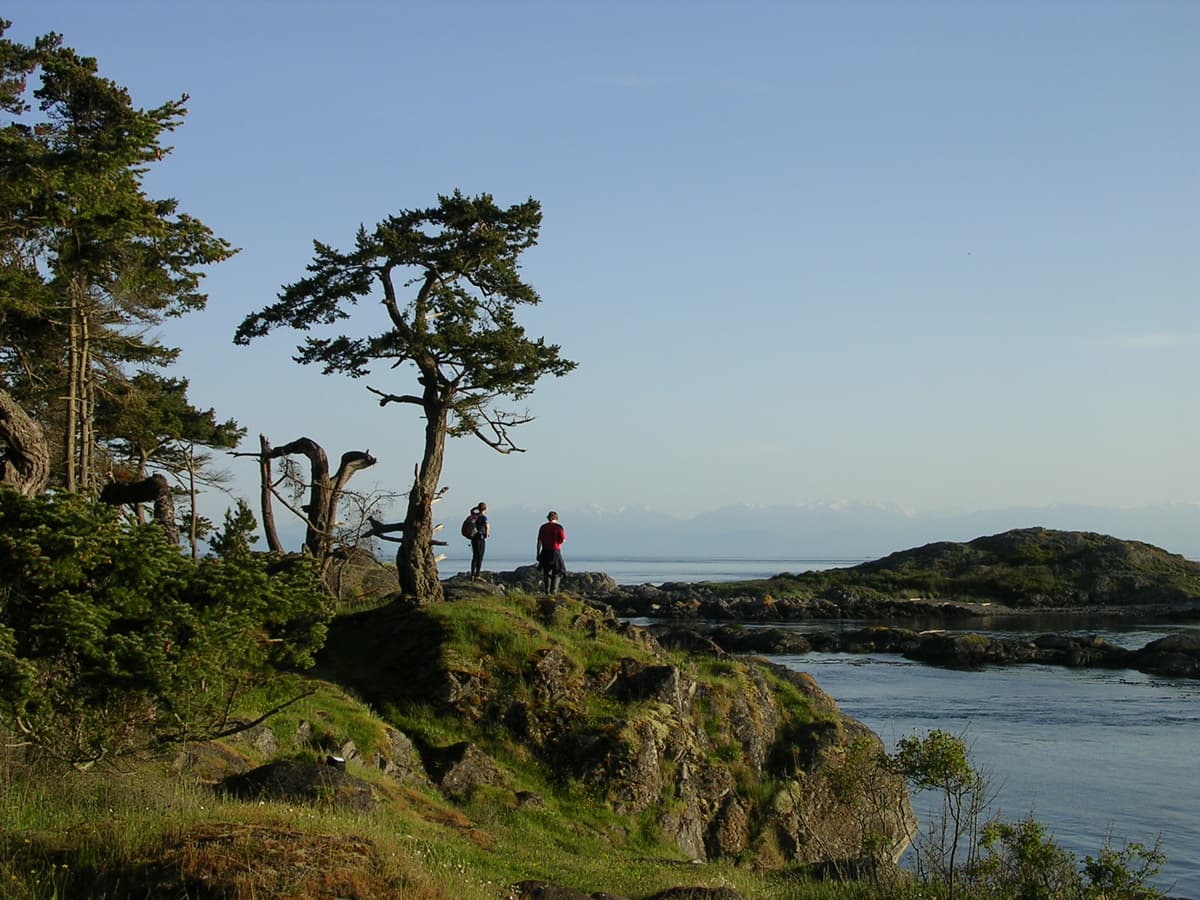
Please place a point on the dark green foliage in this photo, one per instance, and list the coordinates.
(939, 761)
(1024, 863)
(459, 329)
(117, 641)
(1125, 872)
(233, 539)
(149, 419)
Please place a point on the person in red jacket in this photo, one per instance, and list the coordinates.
(550, 539)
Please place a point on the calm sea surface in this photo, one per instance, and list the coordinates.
(1088, 753)
(655, 569)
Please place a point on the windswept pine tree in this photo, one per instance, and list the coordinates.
(457, 329)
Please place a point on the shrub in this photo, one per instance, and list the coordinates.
(1010, 860)
(113, 640)
(940, 762)
(1124, 873)
(1022, 861)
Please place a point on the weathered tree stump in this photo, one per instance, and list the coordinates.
(155, 489)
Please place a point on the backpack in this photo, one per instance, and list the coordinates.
(468, 526)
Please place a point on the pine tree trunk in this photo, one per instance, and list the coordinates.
(87, 411)
(164, 514)
(139, 511)
(193, 518)
(415, 561)
(72, 417)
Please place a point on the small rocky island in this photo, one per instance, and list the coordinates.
(922, 603)
(1021, 571)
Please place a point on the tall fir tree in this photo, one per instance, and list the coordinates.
(88, 262)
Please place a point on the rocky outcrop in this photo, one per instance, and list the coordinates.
(1176, 655)
(730, 758)
(461, 768)
(529, 579)
(301, 781)
(751, 603)
(691, 752)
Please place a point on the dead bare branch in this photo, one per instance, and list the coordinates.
(386, 398)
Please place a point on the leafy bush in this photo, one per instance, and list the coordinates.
(110, 639)
(1023, 861)
(1124, 873)
(1009, 860)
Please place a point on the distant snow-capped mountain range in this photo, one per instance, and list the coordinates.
(834, 531)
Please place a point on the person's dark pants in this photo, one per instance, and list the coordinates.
(553, 569)
(478, 545)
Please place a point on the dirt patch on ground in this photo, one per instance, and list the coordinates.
(228, 860)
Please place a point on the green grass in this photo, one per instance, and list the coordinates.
(62, 832)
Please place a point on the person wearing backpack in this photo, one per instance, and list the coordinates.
(477, 523)
(550, 539)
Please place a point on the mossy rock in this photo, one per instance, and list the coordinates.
(301, 781)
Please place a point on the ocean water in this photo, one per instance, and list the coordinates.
(656, 569)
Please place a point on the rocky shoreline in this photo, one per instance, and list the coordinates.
(698, 618)
(1174, 656)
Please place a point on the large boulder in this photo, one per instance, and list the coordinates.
(301, 781)
(461, 768)
(1176, 656)
(529, 579)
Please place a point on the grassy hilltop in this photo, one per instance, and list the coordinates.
(1026, 568)
(488, 741)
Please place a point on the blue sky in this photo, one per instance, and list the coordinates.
(935, 254)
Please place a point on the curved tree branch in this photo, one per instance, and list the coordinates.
(386, 398)
(325, 491)
(24, 455)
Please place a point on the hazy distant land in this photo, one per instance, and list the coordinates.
(844, 532)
